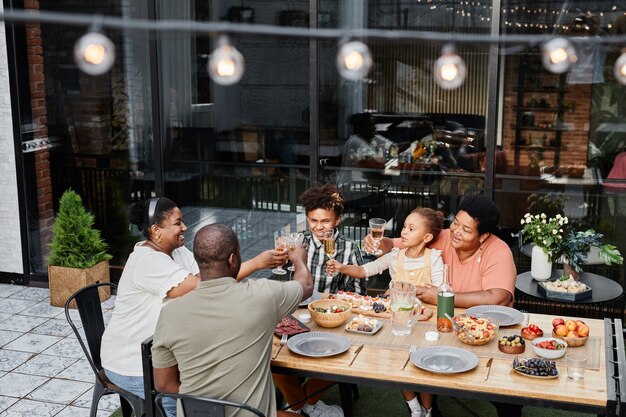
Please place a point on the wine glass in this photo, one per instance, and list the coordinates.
(293, 241)
(330, 248)
(377, 229)
(281, 246)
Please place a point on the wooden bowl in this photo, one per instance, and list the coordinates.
(572, 341)
(330, 320)
(513, 350)
(530, 335)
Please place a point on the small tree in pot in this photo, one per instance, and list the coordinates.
(78, 254)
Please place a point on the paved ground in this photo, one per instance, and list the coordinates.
(43, 370)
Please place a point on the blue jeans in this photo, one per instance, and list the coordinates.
(134, 384)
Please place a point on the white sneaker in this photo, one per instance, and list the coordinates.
(425, 412)
(324, 410)
(416, 414)
(294, 411)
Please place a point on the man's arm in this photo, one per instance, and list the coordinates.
(302, 273)
(264, 260)
(167, 379)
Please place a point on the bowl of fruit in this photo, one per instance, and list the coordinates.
(513, 344)
(330, 312)
(574, 332)
(475, 330)
(530, 332)
(549, 347)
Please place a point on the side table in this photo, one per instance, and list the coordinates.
(607, 298)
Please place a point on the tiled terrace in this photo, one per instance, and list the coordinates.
(43, 370)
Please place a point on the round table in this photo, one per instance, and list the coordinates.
(607, 298)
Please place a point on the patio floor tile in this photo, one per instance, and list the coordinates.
(107, 402)
(19, 385)
(30, 342)
(6, 290)
(60, 391)
(14, 306)
(7, 336)
(30, 408)
(67, 348)
(19, 323)
(4, 316)
(6, 402)
(45, 365)
(31, 293)
(10, 359)
(53, 327)
(42, 309)
(78, 371)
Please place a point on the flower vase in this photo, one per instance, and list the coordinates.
(568, 270)
(540, 265)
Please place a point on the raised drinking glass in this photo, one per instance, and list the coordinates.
(330, 248)
(293, 241)
(377, 229)
(280, 245)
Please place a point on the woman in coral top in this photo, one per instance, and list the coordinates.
(481, 265)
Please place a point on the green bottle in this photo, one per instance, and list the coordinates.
(445, 303)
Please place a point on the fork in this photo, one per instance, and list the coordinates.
(283, 342)
(412, 350)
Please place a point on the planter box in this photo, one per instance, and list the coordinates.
(64, 282)
(564, 296)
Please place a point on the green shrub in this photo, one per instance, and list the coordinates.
(75, 243)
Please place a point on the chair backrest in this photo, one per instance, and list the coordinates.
(194, 406)
(90, 310)
(148, 379)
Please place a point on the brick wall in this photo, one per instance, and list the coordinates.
(11, 243)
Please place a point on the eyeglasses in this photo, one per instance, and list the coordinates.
(152, 209)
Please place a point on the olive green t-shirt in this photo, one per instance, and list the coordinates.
(220, 336)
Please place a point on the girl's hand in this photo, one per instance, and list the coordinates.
(369, 245)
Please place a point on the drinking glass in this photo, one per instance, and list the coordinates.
(281, 246)
(330, 248)
(576, 364)
(402, 302)
(293, 241)
(377, 229)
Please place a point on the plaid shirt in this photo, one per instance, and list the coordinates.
(347, 253)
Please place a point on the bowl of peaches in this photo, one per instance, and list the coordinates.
(475, 330)
(574, 332)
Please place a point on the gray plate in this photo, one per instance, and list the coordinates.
(444, 359)
(507, 316)
(318, 344)
(314, 297)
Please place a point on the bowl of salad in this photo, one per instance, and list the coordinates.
(330, 312)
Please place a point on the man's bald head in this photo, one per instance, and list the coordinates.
(213, 245)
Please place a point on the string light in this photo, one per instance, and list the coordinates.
(226, 64)
(558, 55)
(620, 68)
(354, 60)
(94, 53)
(449, 69)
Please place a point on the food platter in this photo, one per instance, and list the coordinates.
(290, 326)
(535, 376)
(507, 316)
(444, 359)
(318, 344)
(374, 330)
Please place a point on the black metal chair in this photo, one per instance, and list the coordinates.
(204, 407)
(90, 310)
(148, 378)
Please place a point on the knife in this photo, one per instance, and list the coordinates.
(488, 368)
(356, 353)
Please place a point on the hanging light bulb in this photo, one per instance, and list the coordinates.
(226, 64)
(620, 68)
(449, 69)
(94, 53)
(354, 60)
(558, 55)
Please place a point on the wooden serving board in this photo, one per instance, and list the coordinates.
(428, 313)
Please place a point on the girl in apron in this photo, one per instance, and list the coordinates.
(415, 264)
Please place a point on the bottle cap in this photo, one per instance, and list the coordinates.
(304, 317)
(431, 336)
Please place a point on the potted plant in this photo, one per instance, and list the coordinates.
(574, 251)
(546, 234)
(78, 255)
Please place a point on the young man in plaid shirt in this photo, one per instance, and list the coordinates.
(323, 206)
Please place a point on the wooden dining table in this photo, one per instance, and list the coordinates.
(379, 363)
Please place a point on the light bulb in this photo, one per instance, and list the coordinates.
(226, 64)
(354, 60)
(94, 53)
(620, 68)
(558, 55)
(449, 69)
